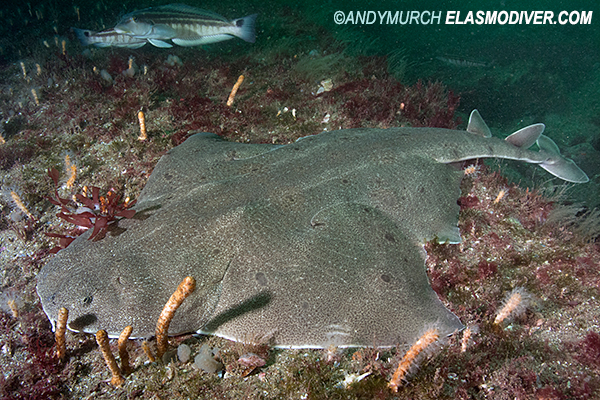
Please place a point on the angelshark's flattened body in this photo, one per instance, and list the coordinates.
(311, 244)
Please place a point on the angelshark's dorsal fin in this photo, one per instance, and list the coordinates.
(477, 126)
(526, 137)
(560, 166)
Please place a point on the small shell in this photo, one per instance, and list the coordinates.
(251, 360)
(327, 85)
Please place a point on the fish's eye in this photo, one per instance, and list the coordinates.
(133, 19)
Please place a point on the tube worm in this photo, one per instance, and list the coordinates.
(19, 203)
(515, 304)
(71, 169)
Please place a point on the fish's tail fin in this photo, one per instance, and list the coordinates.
(245, 28)
(559, 166)
(83, 35)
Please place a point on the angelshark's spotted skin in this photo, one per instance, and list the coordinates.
(311, 244)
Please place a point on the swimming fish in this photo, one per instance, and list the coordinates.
(461, 62)
(107, 38)
(311, 244)
(184, 25)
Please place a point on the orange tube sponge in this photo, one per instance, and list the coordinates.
(102, 340)
(164, 320)
(123, 353)
(142, 120)
(59, 334)
(410, 358)
(148, 351)
(234, 90)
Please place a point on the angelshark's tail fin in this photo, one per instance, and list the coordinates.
(556, 164)
(524, 138)
(559, 166)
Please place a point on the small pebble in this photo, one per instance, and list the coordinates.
(106, 76)
(174, 60)
(205, 361)
(184, 352)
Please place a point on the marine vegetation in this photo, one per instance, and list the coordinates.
(94, 211)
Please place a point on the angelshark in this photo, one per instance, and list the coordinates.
(312, 244)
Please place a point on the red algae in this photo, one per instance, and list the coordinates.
(588, 350)
(90, 212)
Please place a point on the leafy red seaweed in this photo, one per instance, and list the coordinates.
(97, 212)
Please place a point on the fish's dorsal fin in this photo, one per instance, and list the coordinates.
(184, 8)
(526, 137)
(559, 166)
(477, 126)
